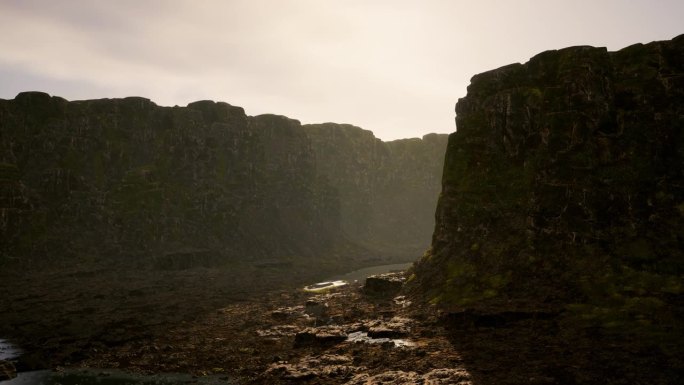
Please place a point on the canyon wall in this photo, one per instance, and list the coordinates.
(388, 190)
(125, 180)
(563, 185)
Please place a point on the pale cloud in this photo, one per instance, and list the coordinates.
(395, 67)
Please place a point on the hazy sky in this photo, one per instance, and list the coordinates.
(396, 67)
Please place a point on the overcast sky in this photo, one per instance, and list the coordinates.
(396, 67)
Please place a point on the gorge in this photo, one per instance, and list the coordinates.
(129, 182)
(134, 235)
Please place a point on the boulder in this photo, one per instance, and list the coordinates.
(384, 285)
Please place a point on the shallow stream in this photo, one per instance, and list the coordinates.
(361, 274)
(355, 276)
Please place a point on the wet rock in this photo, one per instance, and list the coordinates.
(363, 337)
(7, 370)
(323, 336)
(402, 301)
(384, 285)
(383, 332)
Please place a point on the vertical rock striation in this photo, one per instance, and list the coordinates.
(387, 190)
(128, 181)
(563, 184)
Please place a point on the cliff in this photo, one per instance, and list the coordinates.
(563, 185)
(557, 250)
(127, 181)
(387, 190)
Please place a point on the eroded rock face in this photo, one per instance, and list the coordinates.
(563, 184)
(387, 190)
(180, 187)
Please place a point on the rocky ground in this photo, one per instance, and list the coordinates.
(197, 322)
(200, 322)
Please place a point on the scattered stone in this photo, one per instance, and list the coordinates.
(402, 301)
(395, 328)
(278, 331)
(398, 377)
(363, 337)
(323, 336)
(384, 285)
(383, 332)
(394, 377)
(315, 308)
(286, 313)
(327, 365)
(447, 376)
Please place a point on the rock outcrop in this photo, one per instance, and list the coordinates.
(559, 231)
(128, 181)
(564, 178)
(563, 184)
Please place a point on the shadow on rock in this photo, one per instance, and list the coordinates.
(546, 348)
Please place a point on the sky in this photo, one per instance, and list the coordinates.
(395, 67)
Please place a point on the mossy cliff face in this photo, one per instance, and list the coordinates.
(126, 180)
(387, 190)
(563, 185)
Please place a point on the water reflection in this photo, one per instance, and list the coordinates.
(361, 274)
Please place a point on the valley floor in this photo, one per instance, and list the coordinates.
(254, 329)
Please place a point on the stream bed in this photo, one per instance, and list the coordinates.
(355, 276)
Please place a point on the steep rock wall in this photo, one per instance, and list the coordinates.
(563, 184)
(387, 190)
(128, 181)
